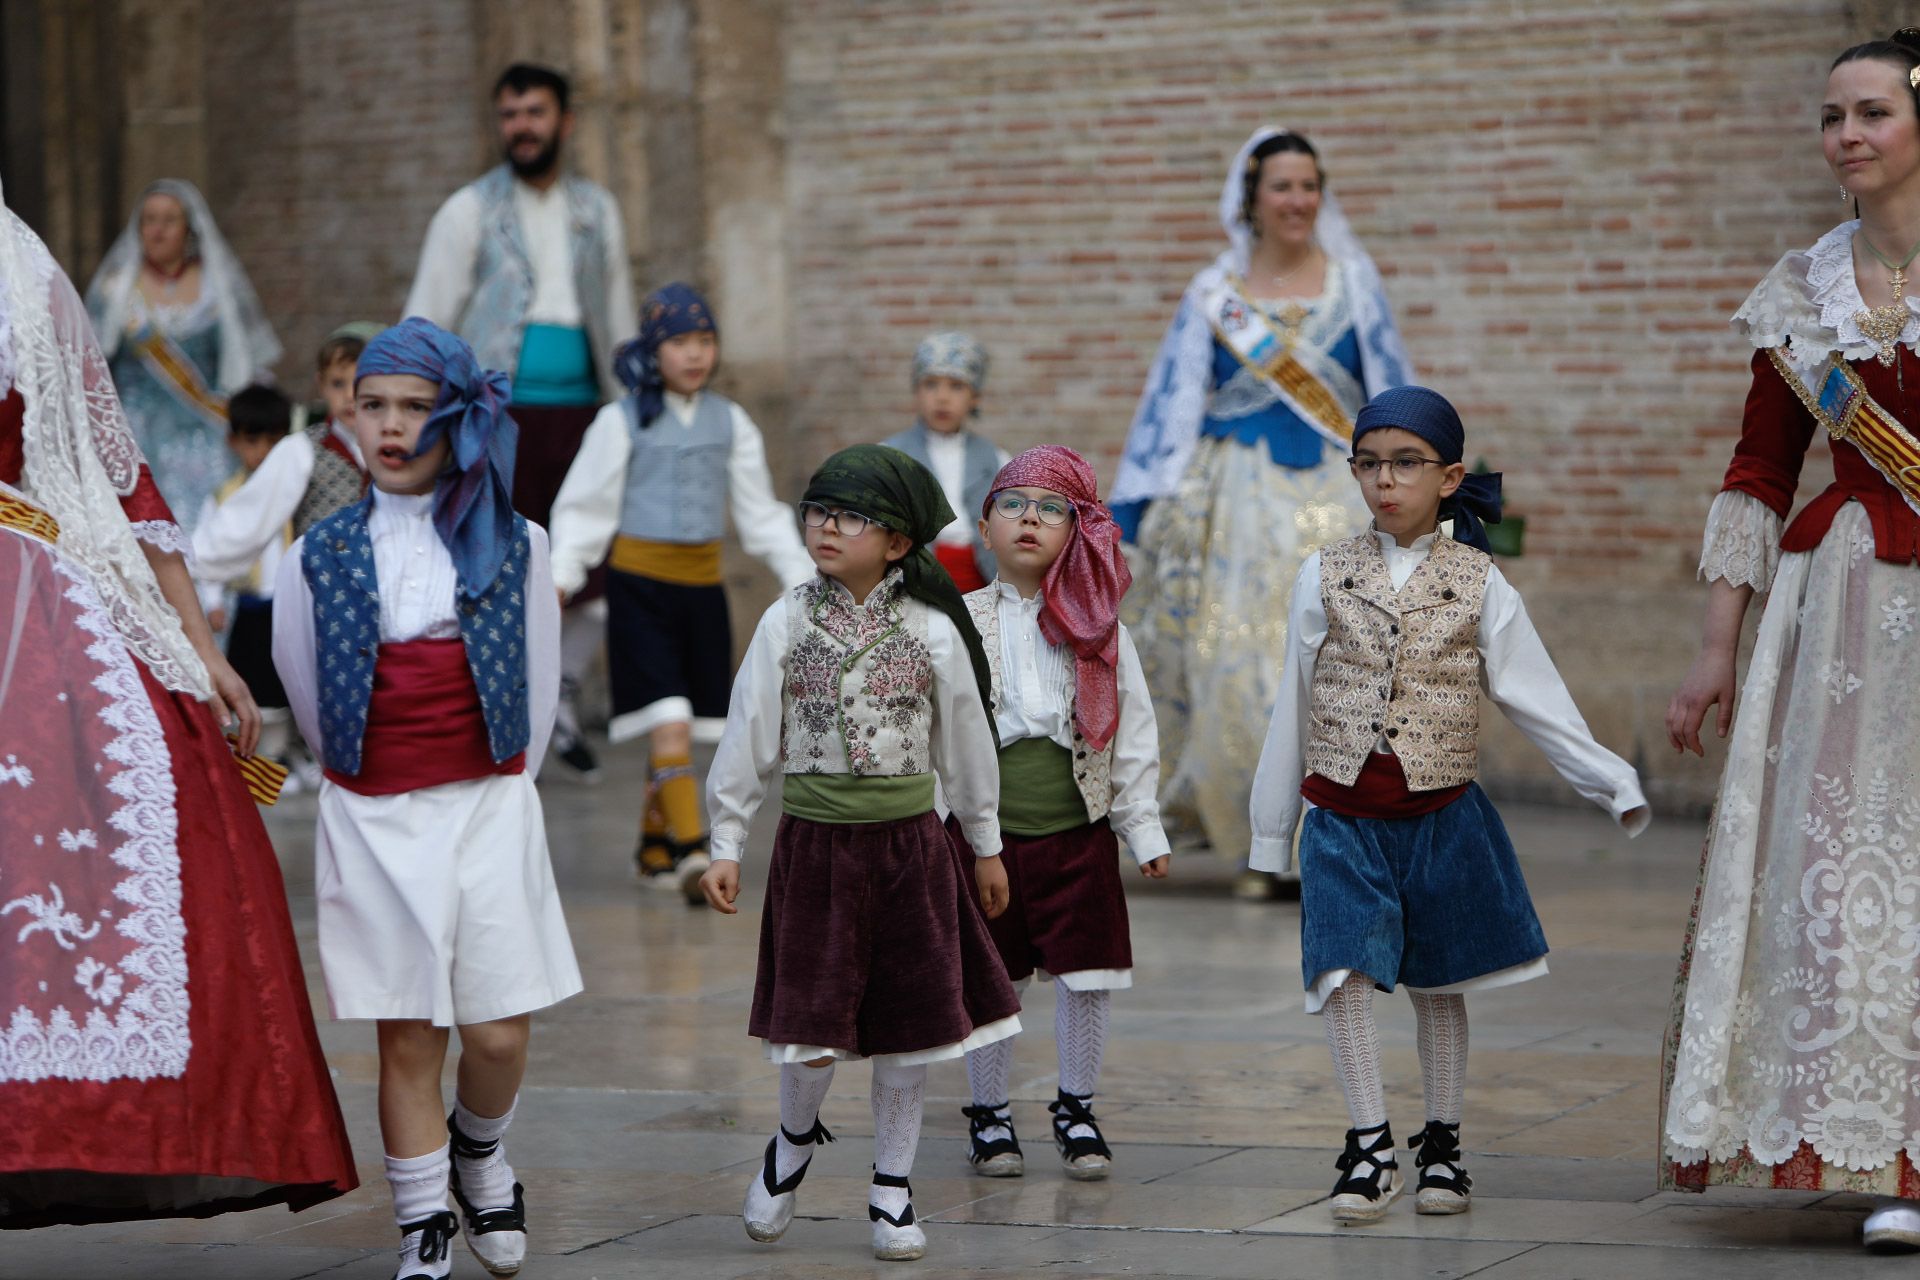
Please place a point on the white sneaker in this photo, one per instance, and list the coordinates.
(770, 1203)
(426, 1248)
(1893, 1228)
(896, 1239)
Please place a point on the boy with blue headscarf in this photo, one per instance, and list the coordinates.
(418, 645)
(655, 478)
(1406, 872)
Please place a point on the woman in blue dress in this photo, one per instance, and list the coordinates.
(182, 330)
(1235, 469)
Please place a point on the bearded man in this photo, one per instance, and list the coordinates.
(529, 265)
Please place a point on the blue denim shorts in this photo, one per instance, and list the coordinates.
(1428, 901)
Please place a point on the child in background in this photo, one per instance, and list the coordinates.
(949, 377)
(1407, 874)
(862, 687)
(655, 477)
(417, 633)
(1077, 744)
(258, 419)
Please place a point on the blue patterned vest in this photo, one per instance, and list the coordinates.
(495, 320)
(677, 476)
(337, 558)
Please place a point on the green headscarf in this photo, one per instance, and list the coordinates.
(891, 487)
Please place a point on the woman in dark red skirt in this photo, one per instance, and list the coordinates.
(1079, 761)
(861, 687)
(157, 1054)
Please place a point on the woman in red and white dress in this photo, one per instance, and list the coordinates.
(157, 1053)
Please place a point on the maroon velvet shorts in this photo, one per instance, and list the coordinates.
(1068, 910)
(872, 940)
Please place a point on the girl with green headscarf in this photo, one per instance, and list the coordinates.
(862, 687)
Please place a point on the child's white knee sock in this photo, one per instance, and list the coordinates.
(1080, 1028)
(419, 1185)
(1356, 1050)
(899, 1096)
(1442, 1023)
(486, 1179)
(802, 1091)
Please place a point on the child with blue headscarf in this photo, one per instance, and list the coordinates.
(1406, 872)
(649, 491)
(418, 644)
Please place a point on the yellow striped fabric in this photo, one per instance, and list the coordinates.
(264, 777)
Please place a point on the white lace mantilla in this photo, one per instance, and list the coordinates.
(1801, 1014)
(1742, 543)
(135, 1024)
(1811, 299)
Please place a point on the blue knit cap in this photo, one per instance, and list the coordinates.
(1428, 414)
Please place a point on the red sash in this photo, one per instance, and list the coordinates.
(425, 727)
(960, 566)
(1379, 792)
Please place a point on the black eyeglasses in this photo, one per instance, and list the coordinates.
(1406, 467)
(848, 524)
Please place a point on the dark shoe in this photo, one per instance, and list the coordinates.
(1085, 1155)
(578, 757)
(993, 1157)
(1367, 1184)
(1444, 1186)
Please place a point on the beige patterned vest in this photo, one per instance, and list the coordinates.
(1401, 663)
(1092, 770)
(859, 692)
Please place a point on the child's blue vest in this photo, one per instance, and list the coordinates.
(337, 558)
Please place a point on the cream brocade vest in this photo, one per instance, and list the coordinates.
(1403, 663)
(1092, 770)
(859, 689)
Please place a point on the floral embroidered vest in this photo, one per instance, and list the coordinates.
(859, 692)
(337, 559)
(1092, 770)
(1403, 663)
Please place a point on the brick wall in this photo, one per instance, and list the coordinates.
(1566, 199)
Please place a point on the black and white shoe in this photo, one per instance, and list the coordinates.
(998, 1157)
(497, 1236)
(896, 1238)
(768, 1211)
(1444, 1186)
(1368, 1183)
(426, 1247)
(1083, 1151)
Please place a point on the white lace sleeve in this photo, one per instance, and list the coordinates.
(1742, 542)
(164, 535)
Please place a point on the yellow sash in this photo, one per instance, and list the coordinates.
(177, 373)
(686, 564)
(17, 513)
(1266, 348)
(1848, 413)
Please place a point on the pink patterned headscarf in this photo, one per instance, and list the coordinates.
(1082, 590)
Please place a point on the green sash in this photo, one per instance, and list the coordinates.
(1038, 796)
(844, 797)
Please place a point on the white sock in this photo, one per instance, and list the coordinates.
(1355, 1042)
(899, 1097)
(989, 1077)
(802, 1091)
(419, 1185)
(1080, 1029)
(1442, 1023)
(486, 1181)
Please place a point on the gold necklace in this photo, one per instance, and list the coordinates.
(1882, 326)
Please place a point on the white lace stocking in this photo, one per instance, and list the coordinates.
(802, 1090)
(989, 1078)
(1442, 1024)
(899, 1098)
(1355, 1042)
(1080, 1027)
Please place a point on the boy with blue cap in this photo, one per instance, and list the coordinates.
(1407, 874)
(419, 648)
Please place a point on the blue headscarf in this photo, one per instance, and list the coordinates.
(473, 505)
(667, 312)
(1429, 415)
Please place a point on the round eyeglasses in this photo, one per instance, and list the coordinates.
(848, 524)
(1405, 468)
(1051, 511)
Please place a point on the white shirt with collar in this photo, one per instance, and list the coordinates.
(1035, 702)
(947, 459)
(248, 525)
(586, 512)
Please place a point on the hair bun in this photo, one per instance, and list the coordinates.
(1907, 38)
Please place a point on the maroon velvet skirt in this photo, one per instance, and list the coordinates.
(1068, 911)
(872, 941)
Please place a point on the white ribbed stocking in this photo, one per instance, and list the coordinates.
(1355, 1042)
(1442, 1022)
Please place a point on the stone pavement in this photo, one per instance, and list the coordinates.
(648, 1107)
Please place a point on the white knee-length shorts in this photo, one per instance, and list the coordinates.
(440, 904)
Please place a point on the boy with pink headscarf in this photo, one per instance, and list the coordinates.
(1079, 764)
